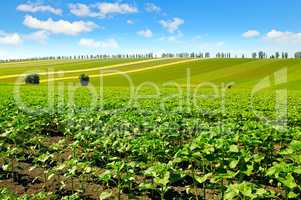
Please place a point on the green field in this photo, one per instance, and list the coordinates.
(245, 73)
(170, 136)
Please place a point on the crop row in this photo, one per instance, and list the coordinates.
(200, 153)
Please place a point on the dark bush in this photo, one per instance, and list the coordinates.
(32, 79)
(84, 79)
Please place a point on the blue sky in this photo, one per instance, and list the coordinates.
(74, 27)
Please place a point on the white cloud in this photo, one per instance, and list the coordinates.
(33, 8)
(116, 8)
(251, 34)
(172, 25)
(150, 7)
(61, 26)
(130, 22)
(103, 9)
(91, 43)
(274, 34)
(147, 33)
(16, 38)
(82, 10)
(284, 37)
(10, 38)
(38, 36)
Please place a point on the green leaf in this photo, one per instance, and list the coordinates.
(258, 158)
(162, 181)
(146, 186)
(150, 172)
(106, 176)
(234, 149)
(233, 164)
(208, 149)
(249, 170)
(232, 192)
(295, 145)
(246, 189)
(296, 158)
(292, 195)
(231, 174)
(202, 179)
(288, 181)
(261, 192)
(298, 170)
(197, 155)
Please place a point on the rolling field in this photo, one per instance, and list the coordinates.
(245, 73)
(22, 67)
(163, 140)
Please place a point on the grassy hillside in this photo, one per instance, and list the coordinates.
(245, 73)
(21, 67)
(10, 72)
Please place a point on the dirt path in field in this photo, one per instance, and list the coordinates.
(124, 72)
(86, 70)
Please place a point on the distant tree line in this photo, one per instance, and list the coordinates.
(120, 56)
(260, 55)
(255, 55)
(223, 55)
(298, 54)
(85, 57)
(186, 55)
(264, 55)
